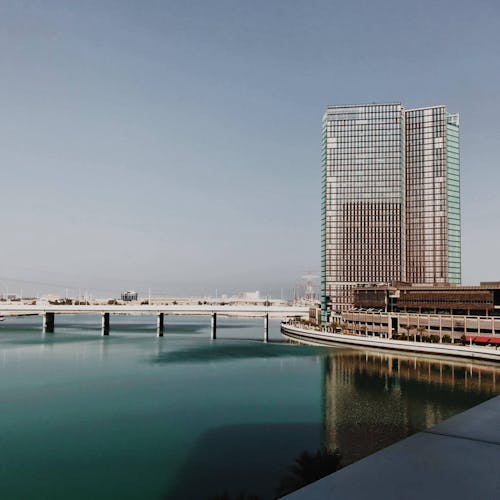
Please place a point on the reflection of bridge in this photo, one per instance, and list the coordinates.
(48, 313)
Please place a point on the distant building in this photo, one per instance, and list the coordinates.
(251, 295)
(390, 198)
(129, 296)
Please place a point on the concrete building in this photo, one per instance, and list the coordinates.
(448, 312)
(251, 295)
(129, 296)
(390, 198)
(482, 300)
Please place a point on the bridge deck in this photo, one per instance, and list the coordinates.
(246, 310)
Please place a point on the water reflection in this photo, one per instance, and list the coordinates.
(184, 417)
(369, 401)
(232, 349)
(372, 400)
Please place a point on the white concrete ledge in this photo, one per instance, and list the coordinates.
(189, 310)
(309, 336)
(456, 459)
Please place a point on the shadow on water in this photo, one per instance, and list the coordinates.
(20, 327)
(369, 402)
(223, 326)
(184, 328)
(68, 332)
(151, 327)
(250, 459)
(228, 350)
(118, 325)
(50, 339)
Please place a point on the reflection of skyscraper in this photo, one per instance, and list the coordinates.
(391, 198)
(373, 400)
(363, 411)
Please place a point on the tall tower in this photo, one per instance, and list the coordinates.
(362, 199)
(453, 221)
(390, 198)
(432, 196)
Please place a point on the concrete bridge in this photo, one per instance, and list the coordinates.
(48, 313)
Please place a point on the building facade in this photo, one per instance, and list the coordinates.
(448, 299)
(129, 296)
(390, 198)
(432, 169)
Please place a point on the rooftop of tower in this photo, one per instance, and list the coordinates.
(333, 106)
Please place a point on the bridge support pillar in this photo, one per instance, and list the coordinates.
(266, 327)
(105, 323)
(160, 317)
(213, 326)
(48, 322)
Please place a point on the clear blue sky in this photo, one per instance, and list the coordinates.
(176, 144)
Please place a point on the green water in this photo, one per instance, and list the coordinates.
(135, 416)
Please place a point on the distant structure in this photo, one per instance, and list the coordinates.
(390, 199)
(309, 294)
(129, 296)
(251, 295)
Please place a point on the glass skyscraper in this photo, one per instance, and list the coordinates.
(390, 198)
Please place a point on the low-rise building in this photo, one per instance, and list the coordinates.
(439, 313)
(482, 300)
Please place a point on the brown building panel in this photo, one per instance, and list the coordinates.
(448, 298)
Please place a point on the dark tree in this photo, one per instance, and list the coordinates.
(241, 496)
(309, 467)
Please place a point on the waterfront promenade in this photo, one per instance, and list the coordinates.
(455, 459)
(318, 337)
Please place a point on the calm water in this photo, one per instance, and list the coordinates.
(134, 416)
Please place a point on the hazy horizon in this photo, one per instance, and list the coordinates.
(176, 145)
